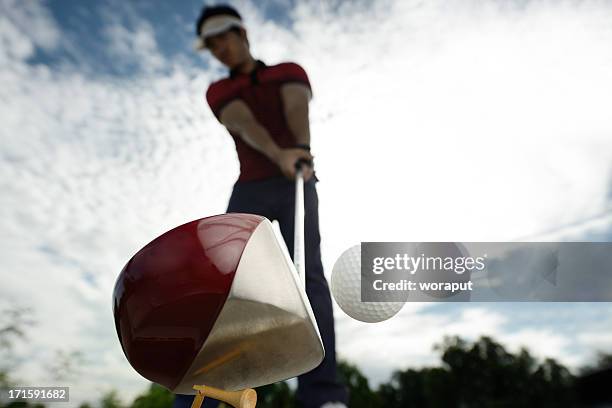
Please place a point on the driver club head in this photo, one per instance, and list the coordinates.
(216, 301)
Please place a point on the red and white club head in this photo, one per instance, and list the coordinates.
(216, 301)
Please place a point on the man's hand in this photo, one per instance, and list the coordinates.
(286, 159)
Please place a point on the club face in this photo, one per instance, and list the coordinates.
(216, 302)
(266, 331)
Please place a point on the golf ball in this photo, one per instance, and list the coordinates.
(346, 289)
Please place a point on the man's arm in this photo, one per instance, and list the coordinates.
(237, 117)
(295, 100)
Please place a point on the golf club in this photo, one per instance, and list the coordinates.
(248, 398)
(299, 255)
(215, 307)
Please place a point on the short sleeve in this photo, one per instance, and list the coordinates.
(218, 95)
(292, 72)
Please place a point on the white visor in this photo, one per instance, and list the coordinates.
(216, 25)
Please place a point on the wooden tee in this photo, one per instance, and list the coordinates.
(240, 399)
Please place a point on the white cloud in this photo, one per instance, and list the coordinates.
(135, 45)
(92, 171)
(544, 343)
(598, 340)
(25, 26)
(471, 123)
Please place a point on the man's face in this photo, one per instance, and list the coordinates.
(229, 47)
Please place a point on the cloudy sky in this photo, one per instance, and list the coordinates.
(431, 121)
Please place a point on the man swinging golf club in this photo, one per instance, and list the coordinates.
(265, 110)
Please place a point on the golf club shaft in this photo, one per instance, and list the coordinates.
(299, 256)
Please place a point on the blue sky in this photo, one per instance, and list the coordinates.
(431, 121)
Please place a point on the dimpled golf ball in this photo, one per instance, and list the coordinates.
(346, 289)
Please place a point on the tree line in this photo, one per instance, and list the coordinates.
(480, 373)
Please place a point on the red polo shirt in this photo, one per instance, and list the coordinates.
(260, 90)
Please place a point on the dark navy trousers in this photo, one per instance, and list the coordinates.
(274, 198)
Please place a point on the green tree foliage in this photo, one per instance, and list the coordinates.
(472, 374)
(111, 400)
(5, 381)
(604, 361)
(428, 387)
(66, 365)
(277, 395)
(155, 397)
(360, 393)
(13, 325)
(481, 374)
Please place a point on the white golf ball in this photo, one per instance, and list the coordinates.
(346, 288)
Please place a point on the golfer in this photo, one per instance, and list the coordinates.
(265, 109)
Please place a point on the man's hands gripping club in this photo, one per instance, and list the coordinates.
(289, 159)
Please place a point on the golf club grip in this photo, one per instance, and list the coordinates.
(299, 256)
(240, 399)
(300, 162)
